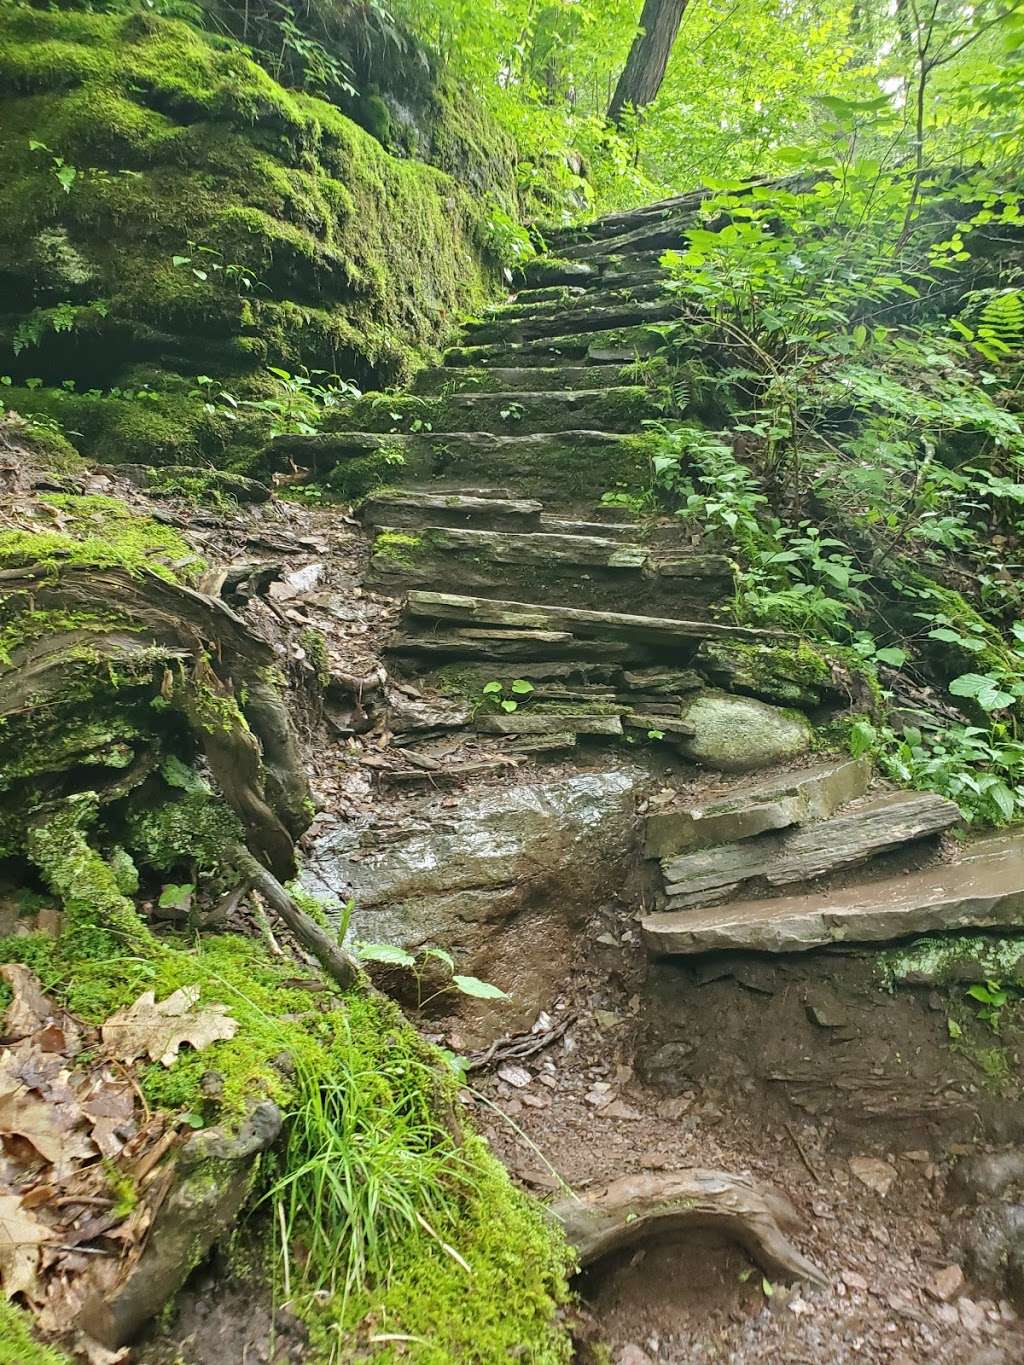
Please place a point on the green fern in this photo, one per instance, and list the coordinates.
(1000, 329)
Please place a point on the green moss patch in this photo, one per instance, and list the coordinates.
(215, 223)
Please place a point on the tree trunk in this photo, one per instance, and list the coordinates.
(648, 58)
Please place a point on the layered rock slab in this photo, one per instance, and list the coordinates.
(769, 803)
(985, 890)
(869, 827)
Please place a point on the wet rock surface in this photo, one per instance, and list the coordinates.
(503, 879)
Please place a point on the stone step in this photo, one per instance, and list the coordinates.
(984, 890)
(866, 828)
(555, 293)
(531, 378)
(532, 651)
(663, 633)
(578, 320)
(624, 407)
(758, 806)
(562, 469)
(617, 346)
(528, 722)
(628, 220)
(400, 507)
(554, 272)
(548, 272)
(527, 307)
(596, 571)
(664, 235)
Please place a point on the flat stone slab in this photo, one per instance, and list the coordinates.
(985, 890)
(602, 624)
(512, 380)
(402, 508)
(547, 723)
(514, 646)
(874, 825)
(758, 806)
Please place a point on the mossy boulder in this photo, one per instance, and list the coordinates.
(739, 734)
(169, 210)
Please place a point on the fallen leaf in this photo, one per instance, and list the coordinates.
(146, 1028)
(21, 1236)
(877, 1175)
(29, 1010)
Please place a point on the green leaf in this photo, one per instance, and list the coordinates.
(491, 689)
(508, 705)
(481, 990)
(521, 687)
(441, 956)
(1003, 799)
(176, 897)
(388, 953)
(181, 260)
(896, 658)
(970, 684)
(67, 175)
(993, 698)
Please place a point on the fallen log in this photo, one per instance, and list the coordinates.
(648, 1208)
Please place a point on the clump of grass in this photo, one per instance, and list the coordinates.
(367, 1162)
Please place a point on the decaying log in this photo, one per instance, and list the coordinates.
(647, 1208)
(228, 691)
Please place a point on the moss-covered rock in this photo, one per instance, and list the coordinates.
(167, 208)
(739, 734)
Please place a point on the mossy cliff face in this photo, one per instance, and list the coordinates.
(169, 210)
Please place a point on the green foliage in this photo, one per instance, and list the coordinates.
(17, 1343)
(423, 966)
(500, 696)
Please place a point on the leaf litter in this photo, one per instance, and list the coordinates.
(82, 1170)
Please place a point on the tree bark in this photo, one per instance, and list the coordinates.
(648, 58)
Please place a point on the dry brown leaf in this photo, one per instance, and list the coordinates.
(158, 1031)
(21, 1236)
(29, 1010)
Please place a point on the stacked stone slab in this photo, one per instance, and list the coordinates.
(509, 566)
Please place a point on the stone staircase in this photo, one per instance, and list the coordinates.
(509, 566)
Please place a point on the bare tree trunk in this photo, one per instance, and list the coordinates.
(648, 58)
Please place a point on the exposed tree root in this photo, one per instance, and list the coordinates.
(641, 1208)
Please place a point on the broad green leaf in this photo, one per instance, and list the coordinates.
(482, 990)
(388, 953)
(896, 658)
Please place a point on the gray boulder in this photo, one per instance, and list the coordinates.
(738, 734)
(503, 881)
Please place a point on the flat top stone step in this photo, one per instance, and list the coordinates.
(757, 805)
(985, 890)
(603, 624)
(614, 346)
(868, 827)
(404, 507)
(601, 317)
(611, 294)
(512, 380)
(543, 547)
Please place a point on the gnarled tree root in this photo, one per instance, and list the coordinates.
(642, 1208)
(209, 1183)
